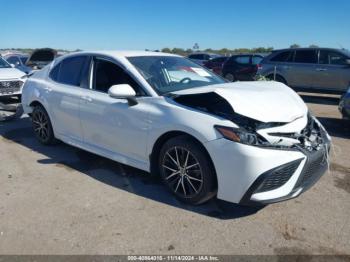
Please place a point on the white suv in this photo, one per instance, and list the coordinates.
(11, 80)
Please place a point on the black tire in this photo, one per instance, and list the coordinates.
(193, 180)
(278, 78)
(230, 77)
(42, 126)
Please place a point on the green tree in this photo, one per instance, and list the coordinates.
(295, 46)
(166, 50)
(178, 51)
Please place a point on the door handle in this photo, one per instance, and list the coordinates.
(87, 98)
(321, 69)
(47, 89)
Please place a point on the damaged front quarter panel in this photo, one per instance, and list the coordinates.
(311, 137)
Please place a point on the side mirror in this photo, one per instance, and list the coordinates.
(12, 65)
(123, 91)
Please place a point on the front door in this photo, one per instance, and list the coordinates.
(333, 73)
(111, 126)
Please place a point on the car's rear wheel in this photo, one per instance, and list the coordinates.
(42, 126)
(230, 77)
(186, 170)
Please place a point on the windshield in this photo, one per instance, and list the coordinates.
(170, 73)
(4, 64)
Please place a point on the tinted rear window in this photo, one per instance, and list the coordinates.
(243, 60)
(283, 57)
(256, 60)
(306, 56)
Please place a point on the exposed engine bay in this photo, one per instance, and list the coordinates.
(311, 138)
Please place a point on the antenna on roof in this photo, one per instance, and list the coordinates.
(341, 47)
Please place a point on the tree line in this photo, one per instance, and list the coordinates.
(226, 51)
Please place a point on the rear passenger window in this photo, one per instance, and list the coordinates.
(69, 71)
(306, 56)
(283, 57)
(256, 60)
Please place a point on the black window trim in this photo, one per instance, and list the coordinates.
(117, 63)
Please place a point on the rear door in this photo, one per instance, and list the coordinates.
(302, 71)
(332, 71)
(64, 93)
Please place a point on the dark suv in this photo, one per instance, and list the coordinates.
(241, 67)
(316, 69)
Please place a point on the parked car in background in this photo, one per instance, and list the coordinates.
(11, 80)
(19, 61)
(344, 105)
(241, 67)
(216, 64)
(316, 69)
(247, 143)
(41, 57)
(201, 58)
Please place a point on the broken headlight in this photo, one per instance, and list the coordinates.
(238, 135)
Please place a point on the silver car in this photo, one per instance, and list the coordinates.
(344, 105)
(316, 69)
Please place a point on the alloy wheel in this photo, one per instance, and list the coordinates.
(182, 172)
(41, 125)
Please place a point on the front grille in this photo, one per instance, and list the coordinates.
(9, 87)
(315, 166)
(277, 177)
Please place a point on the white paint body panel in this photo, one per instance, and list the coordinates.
(110, 127)
(12, 74)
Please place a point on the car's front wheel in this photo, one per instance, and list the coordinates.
(42, 126)
(186, 170)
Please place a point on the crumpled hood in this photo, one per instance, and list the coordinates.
(266, 101)
(10, 73)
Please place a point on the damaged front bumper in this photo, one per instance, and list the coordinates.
(252, 175)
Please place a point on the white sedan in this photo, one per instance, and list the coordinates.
(244, 142)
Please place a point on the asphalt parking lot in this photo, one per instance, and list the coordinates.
(61, 200)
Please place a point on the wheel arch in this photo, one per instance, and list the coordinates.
(157, 146)
(35, 103)
(271, 76)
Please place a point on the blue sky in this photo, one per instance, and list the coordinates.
(154, 24)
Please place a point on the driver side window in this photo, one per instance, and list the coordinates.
(107, 74)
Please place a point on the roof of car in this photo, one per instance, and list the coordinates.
(126, 53)
(306, 48)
